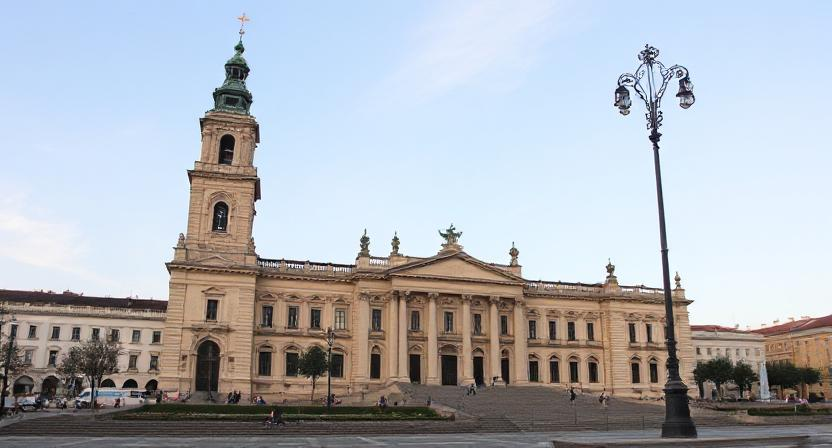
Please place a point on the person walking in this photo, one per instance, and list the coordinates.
(603, 399)
(572, 396)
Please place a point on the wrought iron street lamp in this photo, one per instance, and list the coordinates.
(9, 352)
(330, 339)
(650, 81)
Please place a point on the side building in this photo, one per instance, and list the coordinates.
(46, 325)
(806, 342)
(714, 341)
(237, 321)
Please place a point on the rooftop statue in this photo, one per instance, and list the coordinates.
(450, 235)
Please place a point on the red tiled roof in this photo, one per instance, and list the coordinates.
(715, 328)
(798, 325)
(43, 298)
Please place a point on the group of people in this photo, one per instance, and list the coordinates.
(603, 399)
(275, 418)
(471, 389)
(233, 397)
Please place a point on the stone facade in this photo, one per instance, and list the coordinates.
(712, 341)
(47, 325)
(237, 321)
(806, 342)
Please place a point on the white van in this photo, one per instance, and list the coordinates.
(106, 396)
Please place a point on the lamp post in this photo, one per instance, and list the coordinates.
(650, 81)
(9, 352)
(330, 339)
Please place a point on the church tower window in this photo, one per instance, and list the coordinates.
(226, 155)
(220, 217)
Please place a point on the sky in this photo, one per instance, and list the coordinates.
(404, 117)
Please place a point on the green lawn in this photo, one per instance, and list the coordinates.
(290, 413)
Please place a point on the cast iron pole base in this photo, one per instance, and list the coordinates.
(677, 421)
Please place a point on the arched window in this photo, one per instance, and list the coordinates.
(375, 363)
(130, 384)
(226, 155)
(592, 370)
(635, 371)
(220, 217)
(554, 370)
(108, 383)
(574, 376)
(534, 369)
(654, 371)
(264, 361)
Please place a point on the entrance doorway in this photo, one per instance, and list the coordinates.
(207, 367)
(479, 377)
(504, 369)
(49, 387)
(449, 370)
(415, 369)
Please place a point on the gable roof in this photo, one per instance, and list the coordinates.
(72, 299)
(798, 325)
(416, 265)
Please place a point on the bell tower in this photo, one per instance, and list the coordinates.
(209, 325)
(224, 182)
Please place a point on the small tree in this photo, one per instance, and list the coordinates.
(808, 376)
(720, 372)
(783, 374)
(700, 375)
(93, 359)
(312, 364)
(16, 365)
(743, 376)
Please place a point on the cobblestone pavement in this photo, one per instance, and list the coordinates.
(821, 435)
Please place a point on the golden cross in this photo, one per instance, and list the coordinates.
(243, 19)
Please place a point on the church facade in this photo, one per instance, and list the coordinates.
(238, 321)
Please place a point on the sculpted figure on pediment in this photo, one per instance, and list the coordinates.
(553, 313)
(633, 316)
(446, 300)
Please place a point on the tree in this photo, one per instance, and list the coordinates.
(312, 364)
(720, 372)
(700, 375)
(808, 376)
(743, 376)
(15, 366)
(783, 374)
(93, 359)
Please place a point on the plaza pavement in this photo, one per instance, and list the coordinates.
(820, 436)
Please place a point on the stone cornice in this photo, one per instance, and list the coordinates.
(247, 270)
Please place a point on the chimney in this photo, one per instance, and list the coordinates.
(775, 322)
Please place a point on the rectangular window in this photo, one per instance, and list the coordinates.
(554, 371)
(632, 327)
(115, 335)
(315, 318)
(291, 364)
(649, 330)
(654, 372)
(593, 371)
(154, 362)
(414, 320)
(375, 366)
(553, 329)
(709, 350)
(33, 331)
(376, 319)
(532, 329)
(13, 331)
(76, 333)
(96, 333)
(747, 352)
(292, 317)
(534, 375)
(698, 350)
(449, 322)
(53, 358)
(340, 319)
(737, 353)
(590, 331)
(56, 333)
(264, 364)
(504, 325)
(573, 372)
(137, 336)
(757, 352)
(132, 362)
(635, 374)
(337, 365)
(27, 357)
(211, 309)
(570, 331)
(267, 316)
(157, 337)
(477, 323)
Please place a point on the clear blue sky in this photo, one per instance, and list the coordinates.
(406, 116)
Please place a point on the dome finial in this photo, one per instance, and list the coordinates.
(243, 19)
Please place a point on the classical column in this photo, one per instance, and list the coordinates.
(433, 345)
(392, 336)
(494, 338)
(467, 361)
(521, 357)
(362, 340)
(403, 298)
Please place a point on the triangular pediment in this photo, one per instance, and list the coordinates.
(215, 260)
(456, 266)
